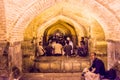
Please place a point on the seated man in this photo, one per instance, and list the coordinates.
(97, 68)
(40, 49)
(82, 51)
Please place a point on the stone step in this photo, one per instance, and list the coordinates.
(51, 76)
(57, 64)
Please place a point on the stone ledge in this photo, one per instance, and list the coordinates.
(58, 64)
(51, 76)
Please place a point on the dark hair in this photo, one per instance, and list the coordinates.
(82, 37)
(67, 42)
(93, 53)
(40, 42)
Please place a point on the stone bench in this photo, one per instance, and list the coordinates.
(61, 65)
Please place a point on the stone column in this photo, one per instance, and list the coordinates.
(4, 68)
(110, 54)
(16, 54)
(113, 53)
(15, 57)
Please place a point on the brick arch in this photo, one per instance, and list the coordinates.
(26, 16)
(107, 19)
(104, 20)
(80, 30)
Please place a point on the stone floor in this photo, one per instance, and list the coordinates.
(51, 76)
(56, 64)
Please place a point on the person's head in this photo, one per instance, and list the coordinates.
(92, 55)
(82, 38)
(40, 43)
(68, 38)
(67, 42)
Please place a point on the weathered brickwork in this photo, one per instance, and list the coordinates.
(2, 21)
(112, 5)
(16, 15)
(4, 67)
(16, 54)
(21, 16)
(3, 59)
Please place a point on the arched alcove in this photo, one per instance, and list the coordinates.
(44, 24)
(65, 29)
(80, 16)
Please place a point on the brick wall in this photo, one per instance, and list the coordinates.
(16, 15)
(20, 14)
(3, 59)
(2, 22)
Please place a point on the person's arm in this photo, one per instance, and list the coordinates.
(93, 70)
(97, 66)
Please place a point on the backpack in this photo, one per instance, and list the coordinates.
(111, 74)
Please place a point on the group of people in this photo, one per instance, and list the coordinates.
(82, 50)
(56, 47)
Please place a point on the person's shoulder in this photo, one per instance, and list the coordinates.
(99, 60)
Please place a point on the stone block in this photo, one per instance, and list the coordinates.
(85, 64)
(76, 66)
(43, 66)
(67, 66)
(55, 66)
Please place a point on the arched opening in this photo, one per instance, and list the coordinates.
(98, 40)
(61, 30)
(60, 27)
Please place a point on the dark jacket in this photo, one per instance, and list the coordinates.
(99, 65)
(68, 49)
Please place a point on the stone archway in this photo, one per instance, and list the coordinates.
(65, 29)
(68, 25)
(103, 20)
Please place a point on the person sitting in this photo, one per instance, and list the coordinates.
(82, 51)
(49, 49)
(96, 70)
(40, 49)
(97, 65)
(67, 49)
(57, 49)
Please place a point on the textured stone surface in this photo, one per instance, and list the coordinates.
(16, 15)
(2, 21)
(4, 67)
(114, 56)
(61, 64)
(52, 76)
(19, 15)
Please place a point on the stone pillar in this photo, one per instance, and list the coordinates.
(16, 54)
(4, 68)
(15, 57)
(113, 52)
